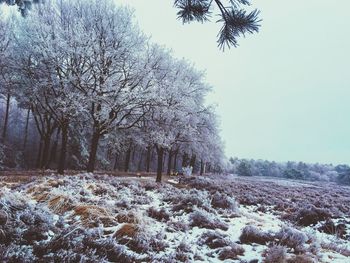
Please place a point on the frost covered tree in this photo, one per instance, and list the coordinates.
(173, 120)
(99, 93)
(7, 78)
(236, 20)
(47, 54)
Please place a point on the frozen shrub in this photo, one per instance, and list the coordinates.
(123, 204)
(223, 201)
(177, 225)
(276, 254)
(247, 199)
(113, 252)
(35, 233)
(17, 253)
(184, 247)
(311, 215)
(139, 239)
(131, 217)
(251, 234)
(157, 243)
(302, 259)
(187, 201)
(231, 252)
(150, 186)
(337, 248)
(314, 245)
(141, 199)
(338, 230)
(292, 238)
(159, 214)
(203, 219)
(214, 240)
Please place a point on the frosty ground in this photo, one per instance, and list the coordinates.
(102, 218)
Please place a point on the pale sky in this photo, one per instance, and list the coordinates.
(283, 94)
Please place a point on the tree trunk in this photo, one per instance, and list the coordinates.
(160, 152)
(169, 162)
(127, 159)
(54, 147)
(63, 153)
(175, 161)
(148, 158)
(193, 163)
(26, 131)
(184, 160)
(38, 158)
(164, 156)
(193, 160)
(4, 132)
(46, 148)
(93, 151)
(115, 162)
(140, 161)
(209, 168)
(202, 168)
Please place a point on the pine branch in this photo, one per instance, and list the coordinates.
(237, 22)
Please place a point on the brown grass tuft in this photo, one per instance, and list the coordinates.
(127, 230)
(92, 216)
(60, 204)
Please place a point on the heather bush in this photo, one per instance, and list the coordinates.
(275, 254)
(203, 219)
(292, 238)
(329, 227)
(214, 240)
(223, 201)
(177, 225)
(187, 201)
(302, 259)
(231, 252)
(311, 215)
(251, 234)
(158, 214)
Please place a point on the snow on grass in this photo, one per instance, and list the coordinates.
(103, 218)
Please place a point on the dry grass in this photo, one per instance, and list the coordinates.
(41, 197)
(92, 216)
(127, 230)
(60, 204)
(55, 182)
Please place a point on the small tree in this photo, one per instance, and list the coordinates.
(244, 169)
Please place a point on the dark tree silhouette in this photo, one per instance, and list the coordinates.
(236, 20)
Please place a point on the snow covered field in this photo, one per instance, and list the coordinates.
(97, 218)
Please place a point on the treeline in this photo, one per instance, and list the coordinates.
(291, 170)
(83, 88)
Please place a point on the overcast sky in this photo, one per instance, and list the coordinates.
(284, 94)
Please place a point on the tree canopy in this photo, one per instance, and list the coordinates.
(236, 20)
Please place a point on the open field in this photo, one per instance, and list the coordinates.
(105, 218)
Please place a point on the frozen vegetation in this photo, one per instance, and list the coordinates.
(100, 218)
